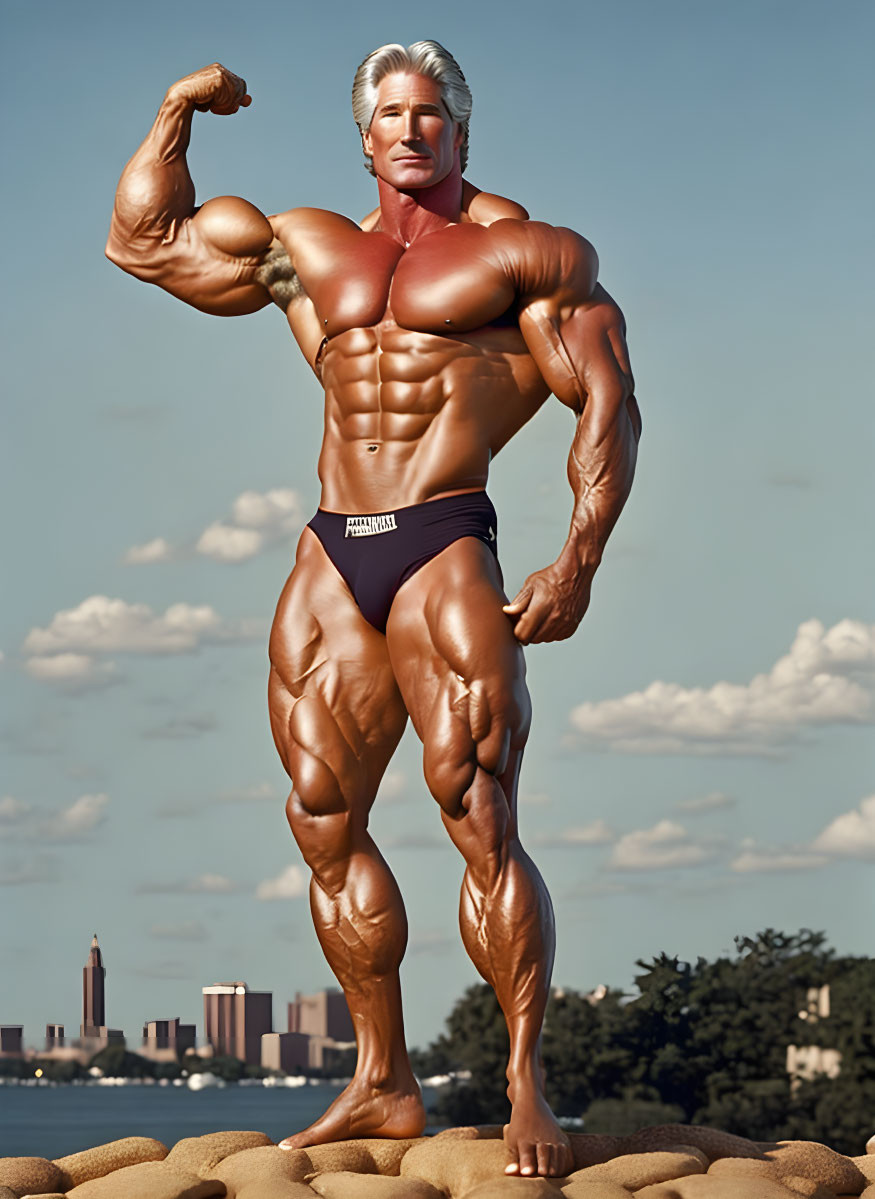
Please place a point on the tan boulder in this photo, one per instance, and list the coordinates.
(636, 1170)
(507, 1187)
(342, 1184)
(711, 1141)
(115, 1155)
(268, 1164)
(7, 1193)
(589, 1148)
(866, 1165)
(594, 1189)
(31, 1175)
(455, 1167)
(807, 1188)
(278, 1189)
(387, 1153)
(201, 1155)
(148, 1180)
(471, 1132)
(818, 1163)
(708, 1186)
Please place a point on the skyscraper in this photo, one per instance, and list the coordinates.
(93, 1003)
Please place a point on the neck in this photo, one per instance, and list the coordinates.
(407, 215)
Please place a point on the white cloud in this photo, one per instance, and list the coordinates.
(711, 802)
(13, 810)
(25, 822)
(665, 846)
(156, 550)
(768, 861)
(224, 543)
(64, 652)
(851, 835)
(258, 521)
(211, 884)
(595, 833)
(73, 672)
(85, 814)
(825, 679)
(101, 624)
(289, 885)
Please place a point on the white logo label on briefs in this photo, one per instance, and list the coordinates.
(367, 526)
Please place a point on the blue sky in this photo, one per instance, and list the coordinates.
(700, 763)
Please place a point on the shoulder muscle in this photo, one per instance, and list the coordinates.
(548, 262)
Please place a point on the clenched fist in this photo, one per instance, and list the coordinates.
(212, 89)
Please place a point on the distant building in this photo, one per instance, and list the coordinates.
(166, 1040)
(235, 1019)
(11, 1040)
(325, 1021)
(324, 1014)
(54, 1036)
(286, 1051)
(93, 1031)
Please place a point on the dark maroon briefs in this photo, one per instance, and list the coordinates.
(376, 552)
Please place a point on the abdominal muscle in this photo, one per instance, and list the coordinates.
(412, 417)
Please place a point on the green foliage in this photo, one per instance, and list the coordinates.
(702, 1043)
(57, 1071)
(619, 1117)
(117, 1062)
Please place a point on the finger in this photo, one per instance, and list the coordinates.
(530, 625)
(246, 101)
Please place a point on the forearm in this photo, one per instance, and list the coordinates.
(155, 192)
(601, 467)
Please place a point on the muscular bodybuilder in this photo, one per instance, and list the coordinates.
(437, 326)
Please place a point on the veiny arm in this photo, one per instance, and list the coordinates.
(576, 335)
(209, 256)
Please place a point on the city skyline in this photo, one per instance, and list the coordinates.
(700, 761)
(235, 1019)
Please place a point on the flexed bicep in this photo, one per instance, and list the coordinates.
(206, 256)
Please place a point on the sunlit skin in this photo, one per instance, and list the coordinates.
(437, 327)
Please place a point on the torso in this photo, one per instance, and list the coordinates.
(426, 373)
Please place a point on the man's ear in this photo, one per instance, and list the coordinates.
(366, 143)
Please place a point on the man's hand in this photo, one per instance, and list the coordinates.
(213, 89)
(550, 605)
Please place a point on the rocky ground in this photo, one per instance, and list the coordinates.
(673, 1161)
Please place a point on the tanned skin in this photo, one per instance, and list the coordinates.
(397, 316)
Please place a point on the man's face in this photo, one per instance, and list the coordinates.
(412, 139)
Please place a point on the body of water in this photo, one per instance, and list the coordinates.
(52, 1121)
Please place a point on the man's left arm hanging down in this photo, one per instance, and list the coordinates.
(576, 335)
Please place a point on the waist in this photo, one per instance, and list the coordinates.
(361, 524)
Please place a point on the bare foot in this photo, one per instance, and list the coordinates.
(536, 1142)
(363, 1110)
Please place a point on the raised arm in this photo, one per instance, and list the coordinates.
(576, 335)
(206, 256)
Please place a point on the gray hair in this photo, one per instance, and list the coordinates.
(422, 58)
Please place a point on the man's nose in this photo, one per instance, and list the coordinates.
(411, 127)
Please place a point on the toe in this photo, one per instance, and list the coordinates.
(528, 1159)
(545, 1159)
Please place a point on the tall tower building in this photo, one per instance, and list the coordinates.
(93, 1004)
